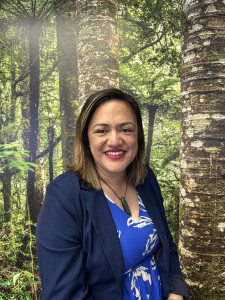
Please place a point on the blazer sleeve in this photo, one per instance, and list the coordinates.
(59, 249)
(177, 284)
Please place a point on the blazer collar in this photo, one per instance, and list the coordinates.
(106, 231)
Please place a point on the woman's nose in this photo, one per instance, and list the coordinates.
(114, 139)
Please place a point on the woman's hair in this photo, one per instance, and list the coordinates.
(83, 163)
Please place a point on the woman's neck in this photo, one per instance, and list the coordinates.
(115, 181)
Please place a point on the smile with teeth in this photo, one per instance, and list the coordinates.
(115, 153)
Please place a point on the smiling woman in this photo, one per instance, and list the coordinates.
(115, 116)
(102, 232)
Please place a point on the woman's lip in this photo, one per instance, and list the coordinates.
(115, 154)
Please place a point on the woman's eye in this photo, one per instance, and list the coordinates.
(126, 130)
(100, 131)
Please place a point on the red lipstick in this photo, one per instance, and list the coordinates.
(115, 153)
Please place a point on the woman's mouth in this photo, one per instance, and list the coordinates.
(115, 154)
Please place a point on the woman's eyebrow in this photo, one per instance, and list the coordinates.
(101, 124)
(126, 123)
(120, 125)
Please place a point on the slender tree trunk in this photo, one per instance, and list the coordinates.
(202, 191)
(39, 186)
(51, 135)
(151, 119)
(34, 58)
(6, 191)
(68, 81)
(97, 46)
(25, 108)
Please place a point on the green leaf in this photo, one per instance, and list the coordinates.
(16, 277)
(28, 274)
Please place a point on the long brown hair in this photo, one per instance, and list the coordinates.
(83, 163)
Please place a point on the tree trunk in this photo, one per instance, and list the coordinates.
(51, 135)
(97, 46)
(151, 118)
(34, 60)
(202, 191)
(7, 174)
(6, 191)
(68, 81)
(25, 108)
(39, 186)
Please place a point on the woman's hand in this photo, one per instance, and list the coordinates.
(175, 297)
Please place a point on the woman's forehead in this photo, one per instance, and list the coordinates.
(114, 109)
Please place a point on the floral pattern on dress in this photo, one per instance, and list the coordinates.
(151, 242)
(141, 276)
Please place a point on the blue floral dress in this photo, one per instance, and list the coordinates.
(139, 240)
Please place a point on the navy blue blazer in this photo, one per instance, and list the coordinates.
(79, 252)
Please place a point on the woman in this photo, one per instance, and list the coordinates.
(102, 232)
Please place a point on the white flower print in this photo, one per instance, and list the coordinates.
(139, 272)
(141, 205)
(151, 242)
(153, 263)
(141, 222)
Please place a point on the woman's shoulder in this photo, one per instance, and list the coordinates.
(65, 177)
(150, 173)
(67, 182)
(151, 179)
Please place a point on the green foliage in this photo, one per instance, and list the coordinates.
(19, 277)
(12, 156)
(17, 285)
(150, 24)
(165, 163)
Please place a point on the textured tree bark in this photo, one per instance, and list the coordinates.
(202, 191)
(68, 80)
(97, 46)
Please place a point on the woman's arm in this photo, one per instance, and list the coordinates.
(59, 249)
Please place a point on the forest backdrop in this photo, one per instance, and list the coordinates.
(54, 54)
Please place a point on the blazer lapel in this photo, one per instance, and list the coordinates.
(106, 231)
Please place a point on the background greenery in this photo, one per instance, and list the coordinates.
(149, 36)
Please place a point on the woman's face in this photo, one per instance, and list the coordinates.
(113, 137)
